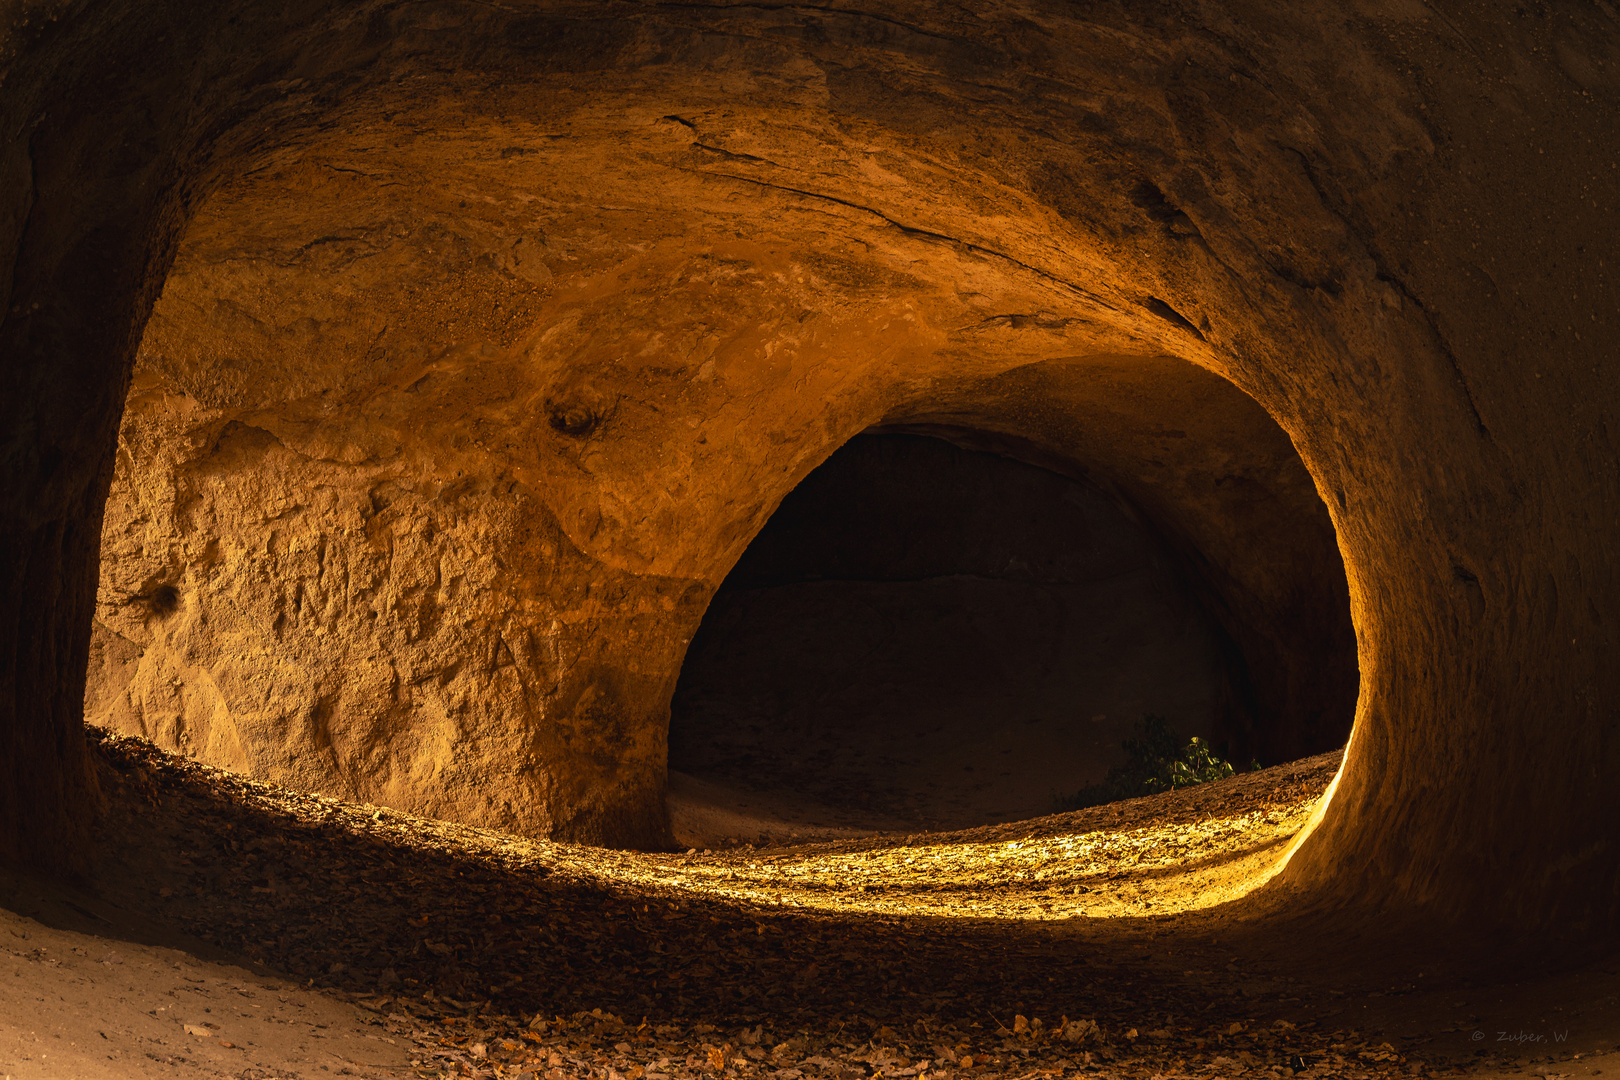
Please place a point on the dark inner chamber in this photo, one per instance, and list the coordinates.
(926, 636)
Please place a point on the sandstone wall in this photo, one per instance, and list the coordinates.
(1389, 225)
(380, 631)
(385, 526)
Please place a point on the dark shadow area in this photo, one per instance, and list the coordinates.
(928, 636)
(483, 937)
(374, 901)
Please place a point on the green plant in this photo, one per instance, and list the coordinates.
(1154, 762)
(1195, 765)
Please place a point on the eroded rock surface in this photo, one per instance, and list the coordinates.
(421, 496)
(383, 629)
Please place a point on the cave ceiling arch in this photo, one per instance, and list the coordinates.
(1279, 197)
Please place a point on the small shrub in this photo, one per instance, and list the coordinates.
(1154, 762)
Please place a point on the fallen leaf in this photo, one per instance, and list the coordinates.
(200, 1032)
(1077, 1031)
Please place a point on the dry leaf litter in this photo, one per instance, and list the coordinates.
(930, 956)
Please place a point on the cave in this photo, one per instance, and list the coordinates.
(925, 636)
(391, 390)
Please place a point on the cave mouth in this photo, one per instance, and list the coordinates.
(927, 637)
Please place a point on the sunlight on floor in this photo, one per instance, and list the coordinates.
(1061, 870)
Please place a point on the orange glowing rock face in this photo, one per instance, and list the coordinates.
(425, 482)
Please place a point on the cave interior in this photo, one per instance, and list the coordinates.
(651, 436)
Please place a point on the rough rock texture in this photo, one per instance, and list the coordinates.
(380, 633)
(1390, 224)
(354, 577)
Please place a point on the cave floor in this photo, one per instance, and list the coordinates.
(234, 928)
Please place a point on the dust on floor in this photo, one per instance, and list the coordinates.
(1084, 944)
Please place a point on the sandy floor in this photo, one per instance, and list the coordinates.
(710, 813)
(236, 929)
(77, 1006)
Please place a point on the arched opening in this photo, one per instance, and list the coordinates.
(962, 615)
(499, 331)
(929, 637)
(1166, 200)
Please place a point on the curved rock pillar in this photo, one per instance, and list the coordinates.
(1448, 391)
